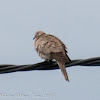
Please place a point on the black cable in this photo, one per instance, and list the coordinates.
(48, 65)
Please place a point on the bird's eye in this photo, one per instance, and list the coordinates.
(37, 32)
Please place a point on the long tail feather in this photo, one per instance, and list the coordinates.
(62, 67)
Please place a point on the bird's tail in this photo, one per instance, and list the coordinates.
(62, 67)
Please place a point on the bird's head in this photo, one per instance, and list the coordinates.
(38, 34)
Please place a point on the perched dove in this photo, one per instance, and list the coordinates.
(50, 47)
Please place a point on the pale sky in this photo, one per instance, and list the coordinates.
(75, 22)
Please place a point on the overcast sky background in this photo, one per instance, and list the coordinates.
(75, 22)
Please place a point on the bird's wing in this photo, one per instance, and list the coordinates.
(49, 44)
(62, 44)
(52, 44)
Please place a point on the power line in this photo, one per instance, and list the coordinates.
(5, 68)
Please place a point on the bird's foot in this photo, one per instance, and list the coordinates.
(48, 61)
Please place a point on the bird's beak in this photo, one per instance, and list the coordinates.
(33, 38)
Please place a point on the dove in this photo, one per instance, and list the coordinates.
(49, 47)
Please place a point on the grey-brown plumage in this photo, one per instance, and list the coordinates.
(50, 47)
